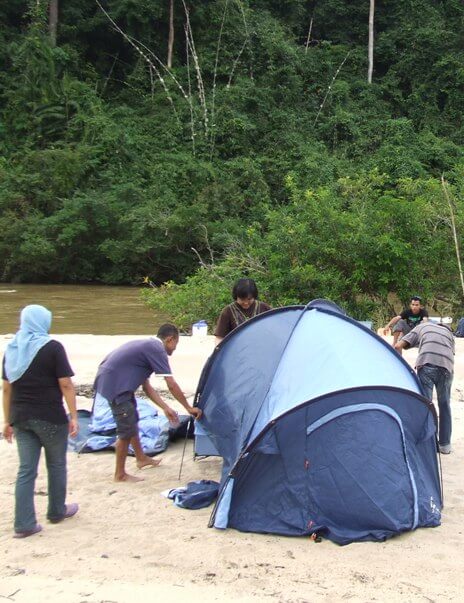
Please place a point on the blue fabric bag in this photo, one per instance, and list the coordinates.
(195, 495)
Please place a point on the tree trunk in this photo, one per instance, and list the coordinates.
(308, 39)
(171, 33)
(53, 20)
(371, 41)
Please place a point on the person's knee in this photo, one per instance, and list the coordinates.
(123, 440)
(27, 472)
(57, 465)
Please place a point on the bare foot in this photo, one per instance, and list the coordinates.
(148, 462)
(127, 478)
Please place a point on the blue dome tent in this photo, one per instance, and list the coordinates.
(323, 429)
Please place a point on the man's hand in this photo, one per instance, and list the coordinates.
(172, 416)
(195, 412)
(8, 432)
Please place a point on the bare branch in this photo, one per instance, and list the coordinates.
(108, 77)
(213, 125)
(329, 89)
(453, 228)
(152, 82)
(247, 35)
(234, 66)
(201, 88)
(192, 117)
(200, 259)
(168, 71)
(146, 58)
(308, 39)
(211, 253)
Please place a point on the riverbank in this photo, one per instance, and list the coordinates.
(128, 541)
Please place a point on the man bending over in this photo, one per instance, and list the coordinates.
(118, 377)
(435, 368)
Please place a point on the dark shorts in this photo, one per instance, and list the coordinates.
(124, 409)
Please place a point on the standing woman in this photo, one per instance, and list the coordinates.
(244, 307)
(36, 376)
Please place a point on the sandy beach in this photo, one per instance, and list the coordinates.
(129, 542)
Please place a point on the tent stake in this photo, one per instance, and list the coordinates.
(183, 450)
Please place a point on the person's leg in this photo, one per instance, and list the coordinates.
(125, 414)
(443, 385)
(54, 439)
(120, 475)
(29, 454)
(401, 328)
(426, 376)
(141, 458)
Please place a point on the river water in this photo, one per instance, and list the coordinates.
(81, 309)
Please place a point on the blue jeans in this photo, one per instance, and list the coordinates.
(31, 436)
(430, 376)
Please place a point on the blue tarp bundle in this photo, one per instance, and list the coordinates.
(97, 430)
(323, 429)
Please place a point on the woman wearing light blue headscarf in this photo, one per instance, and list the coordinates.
(32, 335)
(36, 377)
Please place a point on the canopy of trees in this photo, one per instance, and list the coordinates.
(262, 149)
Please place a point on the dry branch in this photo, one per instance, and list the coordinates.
(453, 228)
(145, 57)
(329, 89)
(216, 62)
(308, 39)
(196, 62)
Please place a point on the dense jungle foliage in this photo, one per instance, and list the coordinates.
(262, 149)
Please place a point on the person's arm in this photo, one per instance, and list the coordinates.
(154, 396)
(411, 340)
(218, 340)
(391, 324)
(7, 429)
(69, 394)
(179, 396)
(402, 345)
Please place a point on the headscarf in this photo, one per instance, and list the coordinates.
(31, 337)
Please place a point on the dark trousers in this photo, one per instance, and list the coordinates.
(432, 376)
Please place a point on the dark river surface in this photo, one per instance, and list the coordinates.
(81, 309)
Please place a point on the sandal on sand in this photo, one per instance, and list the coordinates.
(26, 533)
(70, 511)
